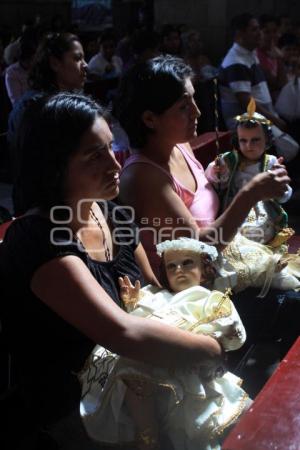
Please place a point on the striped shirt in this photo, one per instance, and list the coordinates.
(241, 72)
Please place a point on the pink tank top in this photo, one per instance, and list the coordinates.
(203, 204)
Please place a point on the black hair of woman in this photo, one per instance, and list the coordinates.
(42, 77)
(154, 85)
(62, 121)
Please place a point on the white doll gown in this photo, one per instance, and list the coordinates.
(191, 409)
(248, 255)
(256, 265)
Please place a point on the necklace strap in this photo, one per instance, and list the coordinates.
(105, 243)
(104, 240)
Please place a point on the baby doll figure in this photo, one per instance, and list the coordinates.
(267, 221)
(258, 251)
(125, 401)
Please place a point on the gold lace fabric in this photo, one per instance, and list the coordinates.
(254, 263)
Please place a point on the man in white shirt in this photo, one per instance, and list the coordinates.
(241, 78)
(106, 64)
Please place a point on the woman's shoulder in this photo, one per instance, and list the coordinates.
(34, 233)
(186, 147)
(32, 240)
(139, 170)
(26, 226)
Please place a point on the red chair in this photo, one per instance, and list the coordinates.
(272, 421)
(205, 148)
(7, 385)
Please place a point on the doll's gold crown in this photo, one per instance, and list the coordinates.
(252, 116)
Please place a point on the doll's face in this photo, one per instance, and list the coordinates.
(252, 142)
(183, 269)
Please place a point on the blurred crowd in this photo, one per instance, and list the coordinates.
(275, 46)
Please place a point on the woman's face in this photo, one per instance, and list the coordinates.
(71, 69)
(178, 124)
(183, 269)
(93, 172)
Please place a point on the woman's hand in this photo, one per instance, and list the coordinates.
(129, 293)
(268, 185)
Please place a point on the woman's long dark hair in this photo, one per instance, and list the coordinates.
(41, 76)
(53, 138)
(154, 85)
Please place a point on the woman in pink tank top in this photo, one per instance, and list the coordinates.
(162, 181)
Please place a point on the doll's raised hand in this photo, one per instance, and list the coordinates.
(129, 293)
(279, 164)
(219, 168)
(217, 171)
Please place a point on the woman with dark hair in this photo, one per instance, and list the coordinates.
(59, 267)
(58, 65)
(170, 194)
(156, 108)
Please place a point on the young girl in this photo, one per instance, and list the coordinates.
(125, 401)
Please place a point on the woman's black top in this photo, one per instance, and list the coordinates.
(47, 351)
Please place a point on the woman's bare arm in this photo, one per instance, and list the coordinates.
(158, 207)
(156, 204)
(68, 288)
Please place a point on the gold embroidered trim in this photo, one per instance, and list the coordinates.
(218, 313)
(146, 379)
(235, 416)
